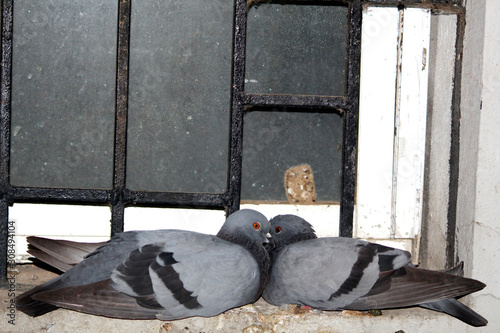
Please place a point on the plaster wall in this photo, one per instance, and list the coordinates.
(483, 244)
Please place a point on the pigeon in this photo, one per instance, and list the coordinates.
(337, 273)
(163, 274)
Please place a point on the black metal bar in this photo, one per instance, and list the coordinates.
(59, 195)
(5, 108)
(4, 234)
(351, 123)
(120, 153)
(117, 218)
(295, 100)
(449, 5)
(6, 73)
(237, 104)
(455, 145)
(177, 199)
(91, 196)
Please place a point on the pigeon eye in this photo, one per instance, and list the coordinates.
(256, 225)
(277, 230)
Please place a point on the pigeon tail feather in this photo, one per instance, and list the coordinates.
(61, 254)
(29, 305)
(458, 310)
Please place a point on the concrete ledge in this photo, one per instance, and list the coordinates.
(254, 318)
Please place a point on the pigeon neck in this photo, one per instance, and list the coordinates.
(280, 244)
(258, 252)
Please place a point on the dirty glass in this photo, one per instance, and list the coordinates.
(297, 49)
(275, 141)
(63, 89)
(179, 98)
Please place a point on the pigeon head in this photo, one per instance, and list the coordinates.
(289, 229)
(246, 226)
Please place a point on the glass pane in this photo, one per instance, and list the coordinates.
(63, 89)
(297, 49)
(180, 80)
(276, 141)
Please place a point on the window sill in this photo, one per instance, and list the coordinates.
(258, 317)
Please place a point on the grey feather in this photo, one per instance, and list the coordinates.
(343, 273)
(458, 310)
(165, 274)
(61, 254)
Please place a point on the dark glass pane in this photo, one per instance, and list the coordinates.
(63, 88)
(276, 141)
(296, 49)
(180, 80)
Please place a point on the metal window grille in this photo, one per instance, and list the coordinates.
(120, 197)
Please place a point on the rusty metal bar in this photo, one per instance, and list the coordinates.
(59, 195)
(120, 152)
(451, 227)
(351, 123)
(451, 6)
(5, 107)
(176, 199)
(237, 104)
(295, 100)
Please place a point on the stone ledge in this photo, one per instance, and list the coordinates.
(254, 318)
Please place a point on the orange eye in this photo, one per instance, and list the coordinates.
(256, 225)
(277, 230)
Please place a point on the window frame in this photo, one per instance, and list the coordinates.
(120, 197)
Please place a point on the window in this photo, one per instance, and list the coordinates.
(205, 105)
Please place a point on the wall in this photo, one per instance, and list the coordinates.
(479, 228)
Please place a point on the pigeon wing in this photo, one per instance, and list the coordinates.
(409, 286)
(203, 279)
(329, 273)
(97, 266)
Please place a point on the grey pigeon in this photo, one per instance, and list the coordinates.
(164, 274)
(336, 273)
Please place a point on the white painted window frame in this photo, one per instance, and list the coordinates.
(392, 126)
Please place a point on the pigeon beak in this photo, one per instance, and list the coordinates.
(267, 237)
(269, 241)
